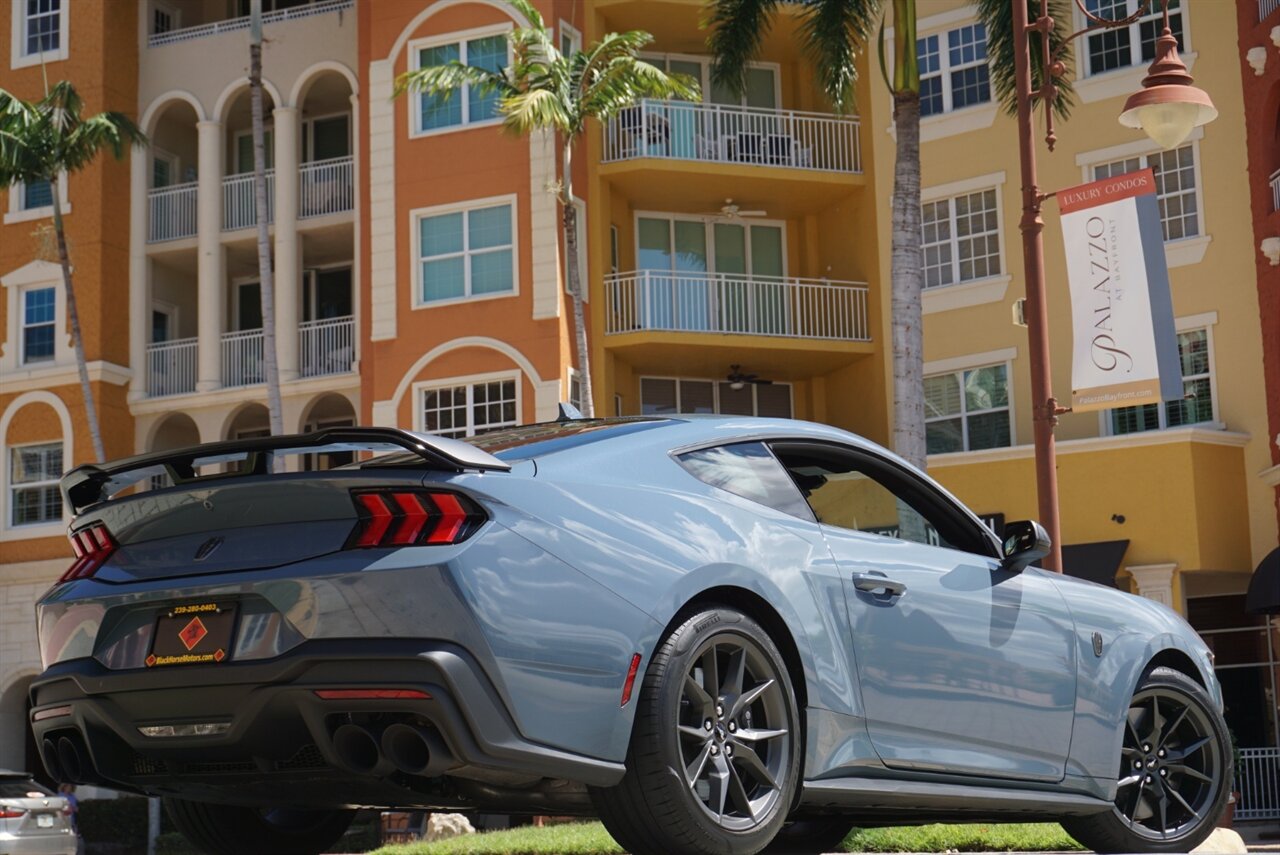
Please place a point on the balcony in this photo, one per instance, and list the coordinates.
(229, 25)
(172, 212)
(325, 187)
(171, 368)
(239, 208)
(242, 358)
(326, 347)
(728, 134)
(736, 304)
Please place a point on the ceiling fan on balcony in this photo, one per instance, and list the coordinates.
(738, 379)
(730, 210)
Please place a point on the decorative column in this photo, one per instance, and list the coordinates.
(210, 270)
(139, 274)
(1155, 582)
(287, 248)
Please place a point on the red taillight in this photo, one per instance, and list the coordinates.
(411, 518)
(92, 546)
(11, 813)
(372, 695)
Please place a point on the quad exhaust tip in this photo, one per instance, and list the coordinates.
(408, 748)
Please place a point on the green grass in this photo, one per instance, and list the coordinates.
(590, 838)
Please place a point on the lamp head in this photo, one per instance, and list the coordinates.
(1168, 107)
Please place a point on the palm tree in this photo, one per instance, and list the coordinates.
(266, 275)
(41, 140)
(547, 91)
(835, 32)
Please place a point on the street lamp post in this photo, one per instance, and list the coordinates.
(1167, 108)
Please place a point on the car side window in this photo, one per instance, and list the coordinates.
(862, 493)
(750, 470)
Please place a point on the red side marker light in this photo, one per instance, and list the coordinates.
(631, 679)
(372, 694)
(51, 712)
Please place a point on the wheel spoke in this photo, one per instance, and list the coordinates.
(698, 695)
(749, 698)
(718, 778)
(1137, 800)
(1157, 722)
(735, 673)
(1133, 731)
(711, 674)
(738, 793)
(1178, 796)
(749, 734)
(693, 772)
(1189, 771)
(698, 733)
(1173, 728)
(1175, 755)
(1129, 781)
(751, 761)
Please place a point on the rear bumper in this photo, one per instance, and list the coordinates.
(41, 844)
(279, 739)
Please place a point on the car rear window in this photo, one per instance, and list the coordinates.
(17, 788)
(750, 470)
(522, 443)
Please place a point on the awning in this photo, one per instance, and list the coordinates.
(1264, 587)
(1098, 562)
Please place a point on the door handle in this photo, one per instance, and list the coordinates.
(878, 584)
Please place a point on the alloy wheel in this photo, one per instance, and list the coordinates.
(734, 735)
(1171, 766)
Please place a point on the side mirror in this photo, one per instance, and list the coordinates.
(1025, 543)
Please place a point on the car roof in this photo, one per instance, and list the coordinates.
(11, 773)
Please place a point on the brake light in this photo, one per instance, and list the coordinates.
(11, 813)
(412, 517)
(92, 546)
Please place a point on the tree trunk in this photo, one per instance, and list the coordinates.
(266, 278)
(907, 317)
(576, 291)
(73, 318)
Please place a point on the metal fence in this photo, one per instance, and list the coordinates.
(734, 303)
(171, 212)
(326, 347)
(186, 34)
(242, 358)
(239, 210)
(723, 133)
(171, 367)
(1258, 781)
(325, 187)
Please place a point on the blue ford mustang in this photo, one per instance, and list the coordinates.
(720, 635)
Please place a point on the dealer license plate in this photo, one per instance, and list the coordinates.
(44, 820)
(193, 634)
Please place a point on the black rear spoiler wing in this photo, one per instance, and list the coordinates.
(92, 483)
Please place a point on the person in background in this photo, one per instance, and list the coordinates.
(68, 792)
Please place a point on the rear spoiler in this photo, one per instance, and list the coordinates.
(92, 483)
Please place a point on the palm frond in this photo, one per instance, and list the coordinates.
(537, 109)
(443, 80)
(998, 17)
(833, 32)
(737, 29)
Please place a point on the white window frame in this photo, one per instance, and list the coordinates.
(18, 57)
(33, 275)
(583, 274)
(1155, 13)
(159, 154)
(979, 184)
(23, 327)
(269, 145)
(709, 223)
(570, 32)
(1206, 322)
(11, 487)
(965, 413)
(945, 70)
(572, 376)
(704, 77)
(307, 140)
(1182, 251)
(308, 294)
(17, 192)
(174, 13)
(460, 38)
(715, 391)
(415, 238)
(470, 381)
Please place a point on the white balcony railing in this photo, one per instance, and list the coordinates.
(326, 347)
(233, 24)
(324, 187)
(171, 212)
(171, 367)
(735, 303)
(1266, 7)
(239, 210)
(1258, 780)
(242, 358)
(719, 133)
(1275, 187)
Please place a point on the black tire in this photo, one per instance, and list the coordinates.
(813, 836)
(680, 771)
(234, 830)
(1175, 772)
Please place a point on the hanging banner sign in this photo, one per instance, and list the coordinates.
(1125, 346)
